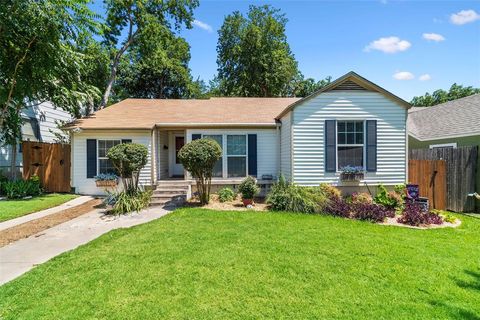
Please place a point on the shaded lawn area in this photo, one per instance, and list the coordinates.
(10, 209)
(204, 264)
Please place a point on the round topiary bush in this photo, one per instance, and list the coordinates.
(199, 157)
(128, 159)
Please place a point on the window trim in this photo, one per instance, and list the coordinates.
(443, 145)
(225, 155)
(98, 153)
(363, 145)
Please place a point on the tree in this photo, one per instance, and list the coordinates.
(440, 96)
(156, 66)
(128, 159)
(11, 134)
(136, 16)
(253, 56)
(304, 87)
(38, 60)
(199, 157)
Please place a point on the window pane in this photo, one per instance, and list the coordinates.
(359, 138)
(237, 167)
(101, 148)
(105, 166)
(236, 145)
(350, 138)
(359, 126)
(218, 169)
(350, 156)
(216, 137)
(350, 126)
(341, 127)
(342, 138)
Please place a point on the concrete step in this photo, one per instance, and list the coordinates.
(171, 189)
(166, 202)
(169, 193)
(172, 183)
(169, 196)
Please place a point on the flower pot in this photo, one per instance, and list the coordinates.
(247, 202)
(347, 176)
(106, 183)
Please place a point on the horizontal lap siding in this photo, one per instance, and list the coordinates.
(308, 135)
(80, 182)
(267, 146)
(286, 146)
(163, 154)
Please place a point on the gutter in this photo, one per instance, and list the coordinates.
(216, 124)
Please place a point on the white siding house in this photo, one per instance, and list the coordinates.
(351, 122)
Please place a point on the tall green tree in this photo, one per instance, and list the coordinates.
(456, 91)
(135, 16)
(254, 58)
(156, 67)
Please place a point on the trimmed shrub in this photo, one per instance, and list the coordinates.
(371, 212)
(226, 194)
(248, 188)
(331, 192)
(22, 188)
(361, 197)
(128, 159)
(199, 157)
(414, 215)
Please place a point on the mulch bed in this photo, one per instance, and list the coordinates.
(30, 228)
(236, 205)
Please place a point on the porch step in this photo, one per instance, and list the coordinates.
(171, 189)
(172, 193)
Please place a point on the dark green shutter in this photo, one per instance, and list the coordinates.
(330, 146)
(252, 155)
(371, 145)
(196, 136)
(91, 158)
(126, 140)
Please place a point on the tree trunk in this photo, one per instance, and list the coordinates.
(13, 162)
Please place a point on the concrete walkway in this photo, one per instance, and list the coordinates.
(40, 214)
(22, 255)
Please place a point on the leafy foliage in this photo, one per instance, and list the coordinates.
(330, 191)
(106, 177)
(125, 202)
(21, 188)
(199, 157)
(128, 159)
(388, 199)
(414, 215)
(285, 196)
(371, 212)
(361, 197)
(253, 56)
(248, 188)
(226, 194)
(338, 207)
(440, 96)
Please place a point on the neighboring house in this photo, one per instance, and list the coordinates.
(352, 121)
(448, 125)
(39, 124)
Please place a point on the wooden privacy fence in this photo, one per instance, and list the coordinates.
(431, 177)
(461, 164)
(50, 162)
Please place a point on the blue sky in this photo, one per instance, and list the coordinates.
(407, 47)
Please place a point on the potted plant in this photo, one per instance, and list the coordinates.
(106, 180)
(249, 189)
(350, 173)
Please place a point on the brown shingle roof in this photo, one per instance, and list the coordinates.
(146, 113)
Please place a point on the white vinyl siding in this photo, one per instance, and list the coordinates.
(267, 146)
(308, 135)
(84, 185)
(162, 155)
(286, 146)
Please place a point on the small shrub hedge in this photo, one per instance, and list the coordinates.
(125, 202)
(17, 189)
(226, 194)
(248, 188)
(371, 212)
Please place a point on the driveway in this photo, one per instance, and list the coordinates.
(22, 255)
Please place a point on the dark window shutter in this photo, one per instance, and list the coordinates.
(91, 158)
(126, 140)
(196, 136)
(371, 145)
(252, 155)
(330, 146)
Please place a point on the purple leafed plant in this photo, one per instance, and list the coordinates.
(371, 212)
(414, 215)
(338, 207)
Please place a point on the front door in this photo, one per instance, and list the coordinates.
(178, 142)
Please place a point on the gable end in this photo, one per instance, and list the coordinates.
(348, 86)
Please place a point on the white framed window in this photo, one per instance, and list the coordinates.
(444, 145)
(218, 169)
(236, 155)
(350, 143)
(104, 164)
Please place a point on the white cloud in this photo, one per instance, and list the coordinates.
(433, 37)
(464, 16)
(202, 25)
(404, 75)
(388, 45)
(425, 77)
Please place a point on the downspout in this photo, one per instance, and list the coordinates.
(278, 123)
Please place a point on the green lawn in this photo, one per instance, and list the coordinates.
(202, 264)
(10, 209)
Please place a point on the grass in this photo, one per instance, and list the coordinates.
(10, 209)
(205, 264)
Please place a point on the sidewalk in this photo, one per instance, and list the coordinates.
(22, 255)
